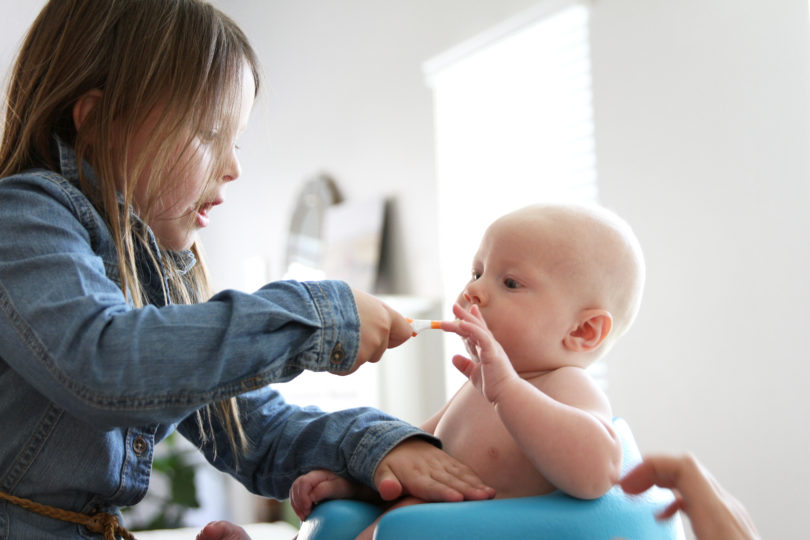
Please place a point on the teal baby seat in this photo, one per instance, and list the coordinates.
(553, 516)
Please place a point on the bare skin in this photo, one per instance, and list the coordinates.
(223, 530)
(534, 315)
(713, 512)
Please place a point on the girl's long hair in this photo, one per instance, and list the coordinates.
(181, 59)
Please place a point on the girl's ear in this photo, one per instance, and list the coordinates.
(593, 327)
(84, 105)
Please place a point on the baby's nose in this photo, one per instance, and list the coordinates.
(473, 295)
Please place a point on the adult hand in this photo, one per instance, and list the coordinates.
(380, 328)
(713, 512)
(416, 467)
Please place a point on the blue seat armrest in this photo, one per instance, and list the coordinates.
(556, 516)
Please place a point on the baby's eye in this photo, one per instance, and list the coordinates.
(475, 275)
(511, 283)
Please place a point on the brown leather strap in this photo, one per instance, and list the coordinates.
(101, 523)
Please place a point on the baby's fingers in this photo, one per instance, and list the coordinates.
(464, 365)
(472, 316)
(475, 337)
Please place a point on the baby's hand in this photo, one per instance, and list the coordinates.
(316, 486)
(488, 367)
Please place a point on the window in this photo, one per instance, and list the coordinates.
(514, 125)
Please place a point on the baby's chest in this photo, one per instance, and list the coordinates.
(469, 422)
(472, 432)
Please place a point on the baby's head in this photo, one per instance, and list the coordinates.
(557, 284)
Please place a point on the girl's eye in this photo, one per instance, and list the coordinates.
(475, 275)
(511, 283)
(209, 136)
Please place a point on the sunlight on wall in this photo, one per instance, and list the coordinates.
(514, 126)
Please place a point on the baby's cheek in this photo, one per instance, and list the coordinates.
(515, 337)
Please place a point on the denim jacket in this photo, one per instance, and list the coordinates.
(89, 384)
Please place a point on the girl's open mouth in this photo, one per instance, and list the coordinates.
(202, 213)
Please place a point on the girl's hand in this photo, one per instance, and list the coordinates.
(380, 328)
(488, 367)
(416, 467)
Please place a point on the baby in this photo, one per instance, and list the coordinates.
(552, 289)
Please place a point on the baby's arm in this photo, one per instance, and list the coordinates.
(564, 429)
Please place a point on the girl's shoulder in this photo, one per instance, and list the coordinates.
(44, 186)
(39, 179)
(37, 194)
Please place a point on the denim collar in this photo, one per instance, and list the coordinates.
(68, 167)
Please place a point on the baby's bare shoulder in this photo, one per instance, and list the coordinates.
(573, 386)
(568, 375)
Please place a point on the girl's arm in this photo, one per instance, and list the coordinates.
(69, 331)
(363, 444)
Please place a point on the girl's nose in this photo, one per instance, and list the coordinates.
(232, 169)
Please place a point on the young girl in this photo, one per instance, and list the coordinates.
(118, 140)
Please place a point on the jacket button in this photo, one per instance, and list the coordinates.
(139, 445)
(338, 354)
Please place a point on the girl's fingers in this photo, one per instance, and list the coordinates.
(400, 328)
(389, 486)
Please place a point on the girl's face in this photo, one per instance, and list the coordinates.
(184, 206)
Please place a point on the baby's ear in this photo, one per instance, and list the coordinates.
(593, 327)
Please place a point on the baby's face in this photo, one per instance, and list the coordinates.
(521, 286)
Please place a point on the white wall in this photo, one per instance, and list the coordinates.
(345, 95)
(17, 17)
(703, 142)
